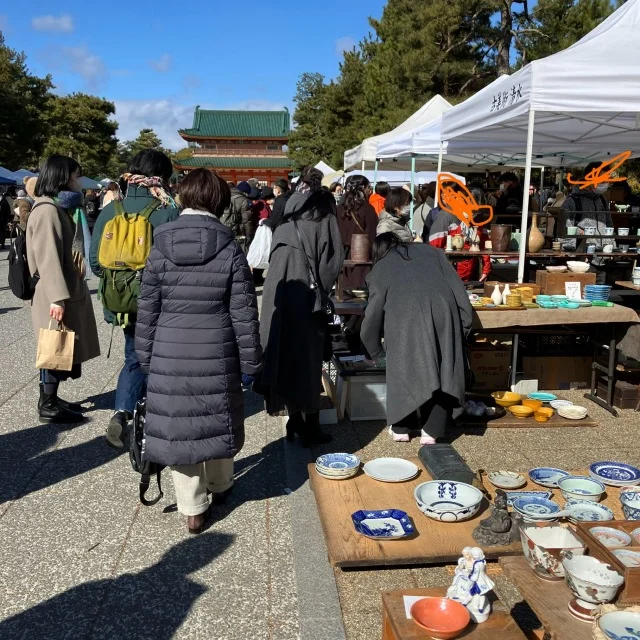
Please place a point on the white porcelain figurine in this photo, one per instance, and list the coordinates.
(471, 585)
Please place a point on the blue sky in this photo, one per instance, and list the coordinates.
(158, 59)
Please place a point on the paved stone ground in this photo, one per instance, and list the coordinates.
(80, 558)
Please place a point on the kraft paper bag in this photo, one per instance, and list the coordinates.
(55, 349)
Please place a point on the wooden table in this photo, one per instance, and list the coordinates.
(548, 600)
(435, 542)
(627, 284)
(396, 626)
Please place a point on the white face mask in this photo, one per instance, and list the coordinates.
(602, 187)
(405, 212)
(503, 187)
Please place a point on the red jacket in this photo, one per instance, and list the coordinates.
(467, 269)
(261, 209)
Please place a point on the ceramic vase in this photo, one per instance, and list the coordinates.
(500, 237)
(536, 239)
(496, 296)
(360, 249)
(505, 293)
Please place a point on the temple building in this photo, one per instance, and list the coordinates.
(239, 144)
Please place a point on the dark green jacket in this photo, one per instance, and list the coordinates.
(137, 199)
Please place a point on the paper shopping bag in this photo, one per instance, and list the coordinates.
(55, 349)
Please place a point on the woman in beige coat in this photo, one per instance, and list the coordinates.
(61, 293)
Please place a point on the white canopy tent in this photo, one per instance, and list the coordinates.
(324, 167)
(357, 157)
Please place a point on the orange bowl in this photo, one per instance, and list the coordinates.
(534, 404)
(546, 411)
(441, 618)
(520, 411)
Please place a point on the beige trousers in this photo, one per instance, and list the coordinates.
(191, 482)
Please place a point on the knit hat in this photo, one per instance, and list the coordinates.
(244, 187)
(22, 193)
(254, 194)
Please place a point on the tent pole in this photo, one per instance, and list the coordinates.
(439, 171)
(375, 174)
(413, 177)
(363, 165)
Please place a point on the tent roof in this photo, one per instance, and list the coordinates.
(586, 100)
(367, 150)
(324, 167)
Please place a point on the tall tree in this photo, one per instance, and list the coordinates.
(147, 139)
(80, 126)
(24, 98)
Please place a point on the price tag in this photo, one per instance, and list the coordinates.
(572, 289)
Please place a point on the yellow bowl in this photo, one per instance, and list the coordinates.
(534, 404)
(506, 398)
(520, 411)
(540, 417)
(546, 411)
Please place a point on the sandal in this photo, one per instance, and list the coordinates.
(399, 437)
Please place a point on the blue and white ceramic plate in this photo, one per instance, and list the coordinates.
(338, 461)
(615, 474)
(587, 511)
(543, 397)
(620, 625)
(547, 476)
(388, 524)
(514, 495)
(533, 507)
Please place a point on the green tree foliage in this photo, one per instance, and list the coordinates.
(23, 100)
(79, 125)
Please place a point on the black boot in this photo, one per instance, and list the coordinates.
(69, 406)
(312, 434)
(295, 425)
(52, 411)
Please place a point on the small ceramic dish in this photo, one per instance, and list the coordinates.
(548, 476)
(568, 304)
(506, 479)
(532, 507)
(557, 268)
(520, 411)
(574, 412)
(611, 537)
(344, 475)
(338, 461)
(390, 469)
(543, 415)
(627, 557)
(587, 511)
(578, 267)
(514, 495)
(615, 474)
(616, 625)
(534, 404)
(543, 397)
(387, 524)
(556, 404)
(506, 398)
(581, 488)
(441, 618)
(635, 534)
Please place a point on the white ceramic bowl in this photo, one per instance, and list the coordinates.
(448, 501)
(578, 267)
(573, 412)
(581, 488)
(560, 268)
(542, 546)
(590, 580)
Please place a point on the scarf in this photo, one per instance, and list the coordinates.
(71, 202)
(158, 188)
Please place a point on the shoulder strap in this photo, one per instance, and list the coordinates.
(312, 277)
(149, 209)
(145, 481)
(119, 209)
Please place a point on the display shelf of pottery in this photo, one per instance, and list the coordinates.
(616, 543)
(471, 585)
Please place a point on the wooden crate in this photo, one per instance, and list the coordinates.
(553, 283)
(630, 593)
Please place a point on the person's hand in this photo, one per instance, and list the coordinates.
(248, 380)
(483, 277)
(580, 231)
(56, 312)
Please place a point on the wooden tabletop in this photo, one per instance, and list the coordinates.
(627, 284)
(548, 600)
(499, 626)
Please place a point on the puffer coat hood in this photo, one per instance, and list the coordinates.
(197, 333)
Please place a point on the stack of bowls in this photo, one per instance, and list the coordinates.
(514, 300)
(597, 292)
(338, 466)
(536, 509)
(545, 302)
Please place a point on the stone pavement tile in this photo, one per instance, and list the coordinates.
(363, 625)
(323, 629)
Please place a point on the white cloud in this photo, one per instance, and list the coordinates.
(86, 64)
(162, 64)
(62, 23)
(346, 43)
(165, 117)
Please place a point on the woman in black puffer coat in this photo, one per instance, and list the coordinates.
(197, 337)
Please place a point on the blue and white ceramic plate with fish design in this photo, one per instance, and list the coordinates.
(587, 511)
(615, 474)
(547, 476)
(514, 495)
(386, 524)
(620, 625)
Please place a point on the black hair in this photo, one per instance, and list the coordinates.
(320, 203)
(55, 175)
(334, 187)
(509, 176)
(382, 189)
(282, 184)
(354, 197)
(151, 163)
(428, 190)
(312, 177)
(385, 243)
(397, 198)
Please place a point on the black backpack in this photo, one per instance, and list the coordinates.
(22, 284)
(136, 455)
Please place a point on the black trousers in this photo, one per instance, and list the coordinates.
(434, 417)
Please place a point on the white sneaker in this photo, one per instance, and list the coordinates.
(399, 437)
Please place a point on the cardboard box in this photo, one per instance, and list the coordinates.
(558, 372)
(552, 284)
(490, 366)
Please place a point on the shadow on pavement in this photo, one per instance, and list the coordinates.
(152, 603)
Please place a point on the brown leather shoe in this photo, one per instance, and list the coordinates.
(196, 524)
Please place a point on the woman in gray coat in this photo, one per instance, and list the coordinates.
(295, 337)
(419, 304)
(61, 293)
(395, 216)
(197, 338)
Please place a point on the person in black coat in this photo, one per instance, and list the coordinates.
(282, 193)
(197, 337)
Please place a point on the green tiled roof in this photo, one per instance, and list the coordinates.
(239, 124)
(235, 162)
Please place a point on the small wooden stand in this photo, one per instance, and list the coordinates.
(396, 625)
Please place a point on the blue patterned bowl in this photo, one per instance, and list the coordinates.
(630, 504)
(532, 507)
(338, 461)
(581, 488)
(448, 501)
(385, 524)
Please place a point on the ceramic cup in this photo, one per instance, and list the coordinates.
(608, 231)
(590, 231)
(623, 231)
(591, 248)
(624, 248)
(572, 231)
(636, 281)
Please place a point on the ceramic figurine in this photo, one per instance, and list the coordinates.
(505, 293)
(471, 585)
(496, 296)
(496, 530)
(474, 240)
